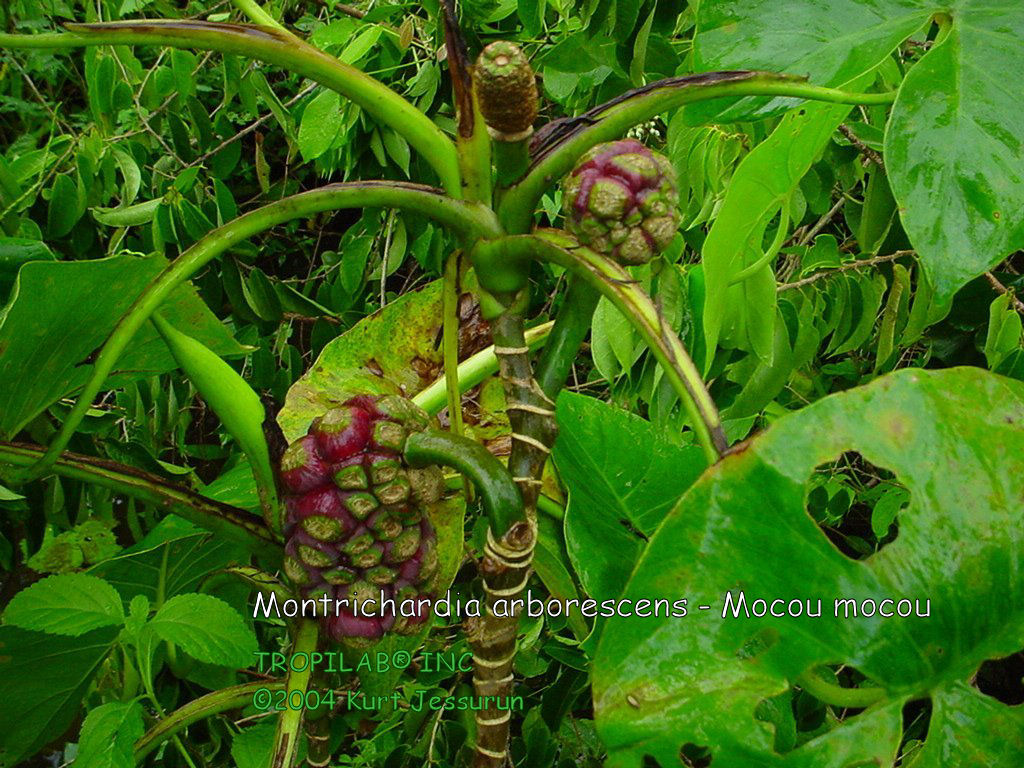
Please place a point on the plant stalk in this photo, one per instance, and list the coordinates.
(224, 520)
(615, 283)
(225, 699)
(468, 219)
(836, 695)
(564, 143)
(473, 371)
(505, 569)
(508, 555)
(282, 49)
(286, 746)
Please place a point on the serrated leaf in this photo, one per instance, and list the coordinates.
(206, 628)
(251, 747)
(66, 604)
(108, 736)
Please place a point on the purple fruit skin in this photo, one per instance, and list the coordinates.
(621, 200)
(339, 440)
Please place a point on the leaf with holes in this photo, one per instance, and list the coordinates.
(743, 529)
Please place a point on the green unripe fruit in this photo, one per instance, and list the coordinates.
(507, 89)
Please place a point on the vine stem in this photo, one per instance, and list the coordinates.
(288, 724)
(557, 156)
(230, 522)
(235, 697)
(616, 284)
(468, 219)
(836, 695)
(502, 501)
(843, 268)
(271, 45)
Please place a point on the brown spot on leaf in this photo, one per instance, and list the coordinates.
(427, 370)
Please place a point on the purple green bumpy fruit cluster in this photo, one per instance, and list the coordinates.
(356, 528)
(622, 200)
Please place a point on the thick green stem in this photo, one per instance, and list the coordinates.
(502, 502)
(531, 413)
(286, 739)
(224, 520)
(257, 15)
(281, 49)
(837, 696)
(235, 697)
(475, 160)
(511, 159)
(571, 328)
(557, 155)
(468, 219)
(615, 283)
(473, 371)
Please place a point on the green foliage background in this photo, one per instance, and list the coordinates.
(888, 239)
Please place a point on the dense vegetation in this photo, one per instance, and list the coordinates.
(812, 393)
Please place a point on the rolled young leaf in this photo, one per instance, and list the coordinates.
(234, 402)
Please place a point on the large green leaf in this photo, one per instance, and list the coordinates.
(954, 140)
(742, 315)
(60, 312)
(659, 683)
(830, 41)
(623, 476)
(954, 144)
(15, 252)
(42, 681)
(393, 351)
